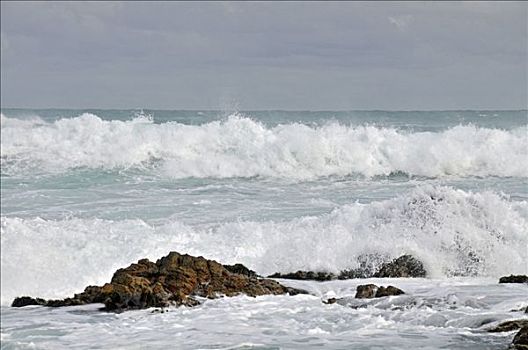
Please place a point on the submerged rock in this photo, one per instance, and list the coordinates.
(176, 279)
(520, 341)
(404, 266)
(514, 279)
(508, 326)
(367, 291)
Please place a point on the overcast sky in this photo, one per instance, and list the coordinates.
(264, 55)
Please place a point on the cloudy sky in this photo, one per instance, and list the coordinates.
(264, 55)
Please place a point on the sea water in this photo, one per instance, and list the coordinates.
(85, 192)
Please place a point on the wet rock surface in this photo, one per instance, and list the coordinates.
(520, 341)
(514, 279)
(367, 291)
(176, 279)
(404, 266)
(508, 326)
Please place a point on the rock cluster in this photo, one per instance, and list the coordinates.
(175, 279)
(404, 266)
(367, 291)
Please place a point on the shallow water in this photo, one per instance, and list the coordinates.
(434, 314)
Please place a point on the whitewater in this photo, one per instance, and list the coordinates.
(85, 192)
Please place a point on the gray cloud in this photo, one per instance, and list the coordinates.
(316, 55)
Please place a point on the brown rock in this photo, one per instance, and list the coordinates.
(367, 291)
(174, 279)
(387, 291)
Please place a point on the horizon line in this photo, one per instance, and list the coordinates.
(267, 110)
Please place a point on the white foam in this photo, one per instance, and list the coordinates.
(453, 232)
(242, 147)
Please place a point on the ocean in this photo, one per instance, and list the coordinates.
(85, 192)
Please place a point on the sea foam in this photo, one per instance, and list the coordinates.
(241, 147)
(455, 233)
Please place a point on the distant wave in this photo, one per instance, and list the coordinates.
(242, 147)
(452, 231)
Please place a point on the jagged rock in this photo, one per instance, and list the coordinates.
(520, 341)
(514, 279)
(367, 291)
(175, 279)
(404, 266)
(241, 270)
(25, 301)
(508, 326)
(305, 275)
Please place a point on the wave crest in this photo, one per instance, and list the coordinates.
(242, 147)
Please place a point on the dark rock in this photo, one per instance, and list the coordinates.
(520, 341)
(175, 279)
(388, 291)
(508, 326)
(305, 275)
(521, 309)
(404, 266)
(241, 270)
(367, 291)
(514, 279)
(330, 301)
(25, 301)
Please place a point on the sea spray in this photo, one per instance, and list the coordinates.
(455, 233)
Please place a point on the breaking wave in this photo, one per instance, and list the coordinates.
(455, 233)
(241, 147)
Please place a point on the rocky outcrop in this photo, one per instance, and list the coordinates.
(520, 341)
(514, 279)
(367, 291)
(508, 326)
(175, 279)
(404, 266)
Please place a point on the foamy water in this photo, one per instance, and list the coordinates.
(85, 193)
(242, 147)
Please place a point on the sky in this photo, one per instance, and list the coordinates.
(265, 55)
